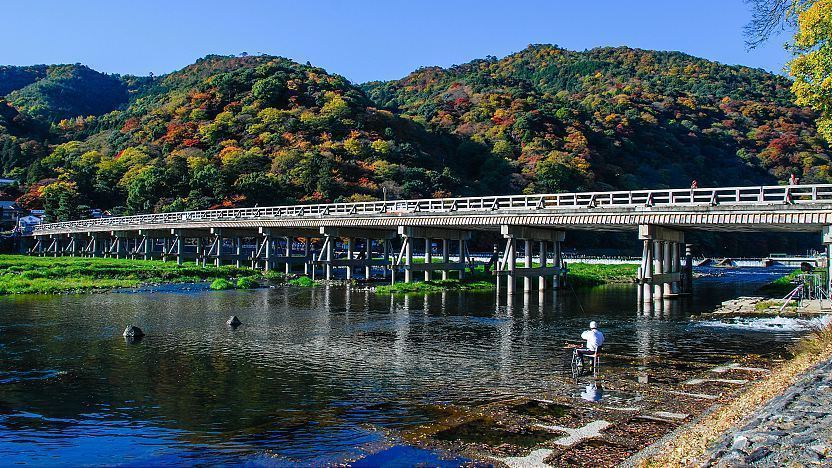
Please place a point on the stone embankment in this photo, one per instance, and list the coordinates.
(758, 305)
(794, 429)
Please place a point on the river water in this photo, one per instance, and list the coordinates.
(314, 375)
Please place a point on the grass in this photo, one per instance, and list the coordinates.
(580, 275)
(20, 274)
(247, 282)
(781, 286)
(221, 284)
(435, 286)
(689, 446)
(585, 274)
(303, 281)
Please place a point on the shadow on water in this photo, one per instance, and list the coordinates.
(314, 375)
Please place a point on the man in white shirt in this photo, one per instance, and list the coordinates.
(594, 339)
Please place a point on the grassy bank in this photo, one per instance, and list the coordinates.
(690, 445)
(580, 275)
(584, 274)
(781, 286)
(435, 286)
(21, 274)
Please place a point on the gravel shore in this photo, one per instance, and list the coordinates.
(795, 428)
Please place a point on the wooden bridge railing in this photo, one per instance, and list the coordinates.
(756, 195)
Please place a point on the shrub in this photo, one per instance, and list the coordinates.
(304, 281)
(221, 284)
(247, 283)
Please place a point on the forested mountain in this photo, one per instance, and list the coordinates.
(237, 131)
(617, 118)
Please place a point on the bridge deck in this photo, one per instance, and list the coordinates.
(804, 208)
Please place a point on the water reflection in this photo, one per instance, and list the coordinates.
(314, 375)
(592, 392)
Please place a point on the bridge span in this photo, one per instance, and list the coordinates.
(532, 226)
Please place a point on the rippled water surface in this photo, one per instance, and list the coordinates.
(319, 375)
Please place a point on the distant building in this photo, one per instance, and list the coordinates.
(38, 213)
(10, 212)
(7, 182)
(27, 223)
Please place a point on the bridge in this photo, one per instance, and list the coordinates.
(532, 226)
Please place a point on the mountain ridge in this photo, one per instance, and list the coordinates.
(240, 130)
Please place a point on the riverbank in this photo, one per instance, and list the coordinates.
(733, 433)
(20, 274)
(579, 275)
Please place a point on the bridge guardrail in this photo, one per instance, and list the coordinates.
(755, 195)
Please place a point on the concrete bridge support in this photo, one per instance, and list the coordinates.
(149, 240)
(659, 274)
(357, 259)
(412, 234)
(529, 236)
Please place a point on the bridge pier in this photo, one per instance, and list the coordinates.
(507, 265)
(659, 275)
(356, 259)
(410, 234)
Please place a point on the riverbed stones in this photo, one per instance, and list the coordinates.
(133, 332)
(535, 458)
(725, 381)
(793, 429)
(233, 321)
(573, 436)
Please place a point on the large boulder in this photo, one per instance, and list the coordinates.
(233, 321)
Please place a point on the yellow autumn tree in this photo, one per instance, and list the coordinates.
(812, 66)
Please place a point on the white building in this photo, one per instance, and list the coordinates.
(27, 223)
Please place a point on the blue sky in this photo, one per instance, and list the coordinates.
(364, 39)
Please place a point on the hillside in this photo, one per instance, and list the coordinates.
(617, 118)
(239, 131)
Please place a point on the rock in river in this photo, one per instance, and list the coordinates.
(133, 331)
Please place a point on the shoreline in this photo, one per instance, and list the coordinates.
(705, 439)
(21, 274)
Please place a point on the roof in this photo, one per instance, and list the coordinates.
(10, 205)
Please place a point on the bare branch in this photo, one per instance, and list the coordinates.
(769, 17)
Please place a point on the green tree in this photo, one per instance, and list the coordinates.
(60, 200)
(145, 189)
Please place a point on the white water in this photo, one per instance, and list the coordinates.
(769, 323)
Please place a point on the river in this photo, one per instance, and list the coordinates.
(314, 375)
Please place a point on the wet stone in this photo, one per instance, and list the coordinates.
(233, 321)
(489, 432)
(758, 454)
(133, 331)
(540, 409)
(740, 443)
